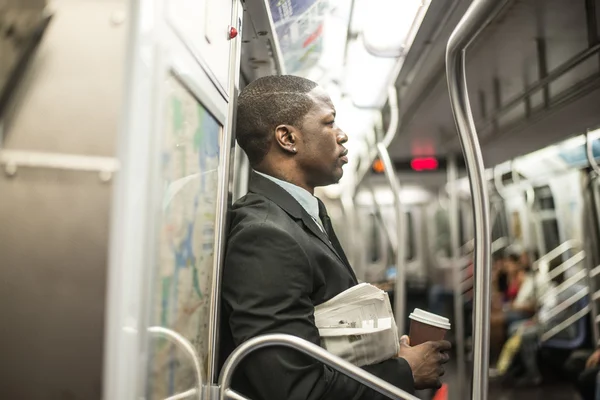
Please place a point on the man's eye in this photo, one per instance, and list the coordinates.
(331, 122)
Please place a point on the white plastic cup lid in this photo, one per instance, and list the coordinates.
(430, 319)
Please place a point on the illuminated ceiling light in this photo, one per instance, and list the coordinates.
(390, 26)
(367, 76)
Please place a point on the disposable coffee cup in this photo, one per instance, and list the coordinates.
(426, 326)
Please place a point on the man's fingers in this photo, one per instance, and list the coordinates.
(444, 358)
(444, 345)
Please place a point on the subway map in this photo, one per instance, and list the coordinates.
(183, 272)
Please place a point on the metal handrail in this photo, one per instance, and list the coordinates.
(565, 324)
(310, 349)
(400, 297)
(476, 18)
(498, 183)
(499, 243)
(566, 284)
(571, 262)
(556, 252)
(187, 347)
(223, 194)
(567, 303)
(394, 116)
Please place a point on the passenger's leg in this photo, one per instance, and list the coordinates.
(529, 353)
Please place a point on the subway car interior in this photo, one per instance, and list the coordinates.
(472, 188)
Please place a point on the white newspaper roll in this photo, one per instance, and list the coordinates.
(358, 325)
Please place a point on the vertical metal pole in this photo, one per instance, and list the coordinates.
(224, 196)
(400, 295)
(459, 323)
(591, 255)
(477, 17)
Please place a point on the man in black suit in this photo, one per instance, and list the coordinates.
(282, 256)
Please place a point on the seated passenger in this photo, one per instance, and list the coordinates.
(283, 257)
(524, 343)
(520, 300)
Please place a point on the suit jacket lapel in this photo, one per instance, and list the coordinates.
(283, 199)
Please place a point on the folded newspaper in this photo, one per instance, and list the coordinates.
(358, 325)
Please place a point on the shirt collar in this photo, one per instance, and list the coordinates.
(302, 196)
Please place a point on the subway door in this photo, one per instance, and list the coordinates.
(169, 217)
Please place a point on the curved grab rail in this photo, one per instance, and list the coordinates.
(477, 17)
(498, 183)
(310, 349)
(187, 347)
(394, 116)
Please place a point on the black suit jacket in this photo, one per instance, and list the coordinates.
(278, 266)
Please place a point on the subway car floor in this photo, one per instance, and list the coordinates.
(546, 391)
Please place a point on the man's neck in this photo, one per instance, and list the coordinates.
(287, 177)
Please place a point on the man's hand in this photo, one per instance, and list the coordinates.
(593, 360)
(426, 361)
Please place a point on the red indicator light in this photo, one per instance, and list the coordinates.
(232, 32)
(424, 164)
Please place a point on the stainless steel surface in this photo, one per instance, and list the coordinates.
(224, 196)
(185, 395)
(551, 77)
(566, 284)
(400, 287)
(230, 394)
(394, 117)
(566, 323)
(571, 262)
(506, 52)
(556, 252)
(477, 17)
(188, 348)
(498, 183)
(54, 232)
(567, 303)
(390, 133)
(312, 350)
(458, 323)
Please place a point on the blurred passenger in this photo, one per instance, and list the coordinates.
(283, 257)
(521, 350)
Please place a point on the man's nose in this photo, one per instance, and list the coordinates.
(342, 137)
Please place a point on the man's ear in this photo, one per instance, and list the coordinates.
(286, 137)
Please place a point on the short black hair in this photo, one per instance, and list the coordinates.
(266, 103)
